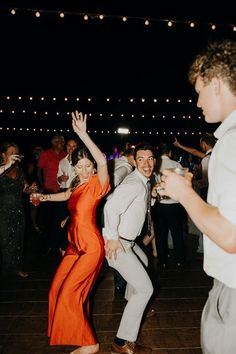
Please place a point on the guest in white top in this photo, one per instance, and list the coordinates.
(65, 176)
(207, 143)
(168, 216)
(213, 73)
(66, 173)
(123, 166)
(118, 169)
(124, 215)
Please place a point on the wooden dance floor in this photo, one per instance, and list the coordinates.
(179, 299)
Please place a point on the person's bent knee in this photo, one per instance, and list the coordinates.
(148, 291)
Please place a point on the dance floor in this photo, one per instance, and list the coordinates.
(174, 329)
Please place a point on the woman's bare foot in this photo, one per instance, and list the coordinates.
(86, 349)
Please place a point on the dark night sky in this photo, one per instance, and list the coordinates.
(110, 57)
(54, 57)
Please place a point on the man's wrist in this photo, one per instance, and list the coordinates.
(186, 195)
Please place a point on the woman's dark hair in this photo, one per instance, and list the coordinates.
(78, 154)
(5, 146)
(81, 153)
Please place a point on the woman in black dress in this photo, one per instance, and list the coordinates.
(12, 218)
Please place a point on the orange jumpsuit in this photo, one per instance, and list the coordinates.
(69, 318)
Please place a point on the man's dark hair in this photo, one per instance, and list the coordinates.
(209, 139)
(163, 148)
(142, 146)
(128, 151)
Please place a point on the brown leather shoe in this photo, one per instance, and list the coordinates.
(130, 348)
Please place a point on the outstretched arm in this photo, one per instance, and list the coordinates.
(190, 150)
(55, 197)
(10, 161)
(79, 125)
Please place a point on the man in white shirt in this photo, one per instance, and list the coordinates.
(65, 176)
(124, 216)
(66, 173)
(123, 166)
(213, 73)
(168, 215)
(207, 143)
(118, 169)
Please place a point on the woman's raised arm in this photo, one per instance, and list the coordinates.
(80, 128)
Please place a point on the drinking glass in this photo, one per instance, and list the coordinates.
(35, 199)
(179, 170)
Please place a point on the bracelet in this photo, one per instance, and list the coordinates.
(46, 197)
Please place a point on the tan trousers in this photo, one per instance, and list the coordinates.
(218, 324)
(139, 288)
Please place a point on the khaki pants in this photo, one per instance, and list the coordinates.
(139, 288)
(218, 324)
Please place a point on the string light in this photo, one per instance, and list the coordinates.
(93, 16)
(43, 109)
(96, 114)
(147, 100)
(108, 132)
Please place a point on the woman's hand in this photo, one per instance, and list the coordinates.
(79, 122)
(36, 198)
(11, 159)
(63, 178)
(33, 188)
(30, 189)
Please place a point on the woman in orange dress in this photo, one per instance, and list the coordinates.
(69, 317)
